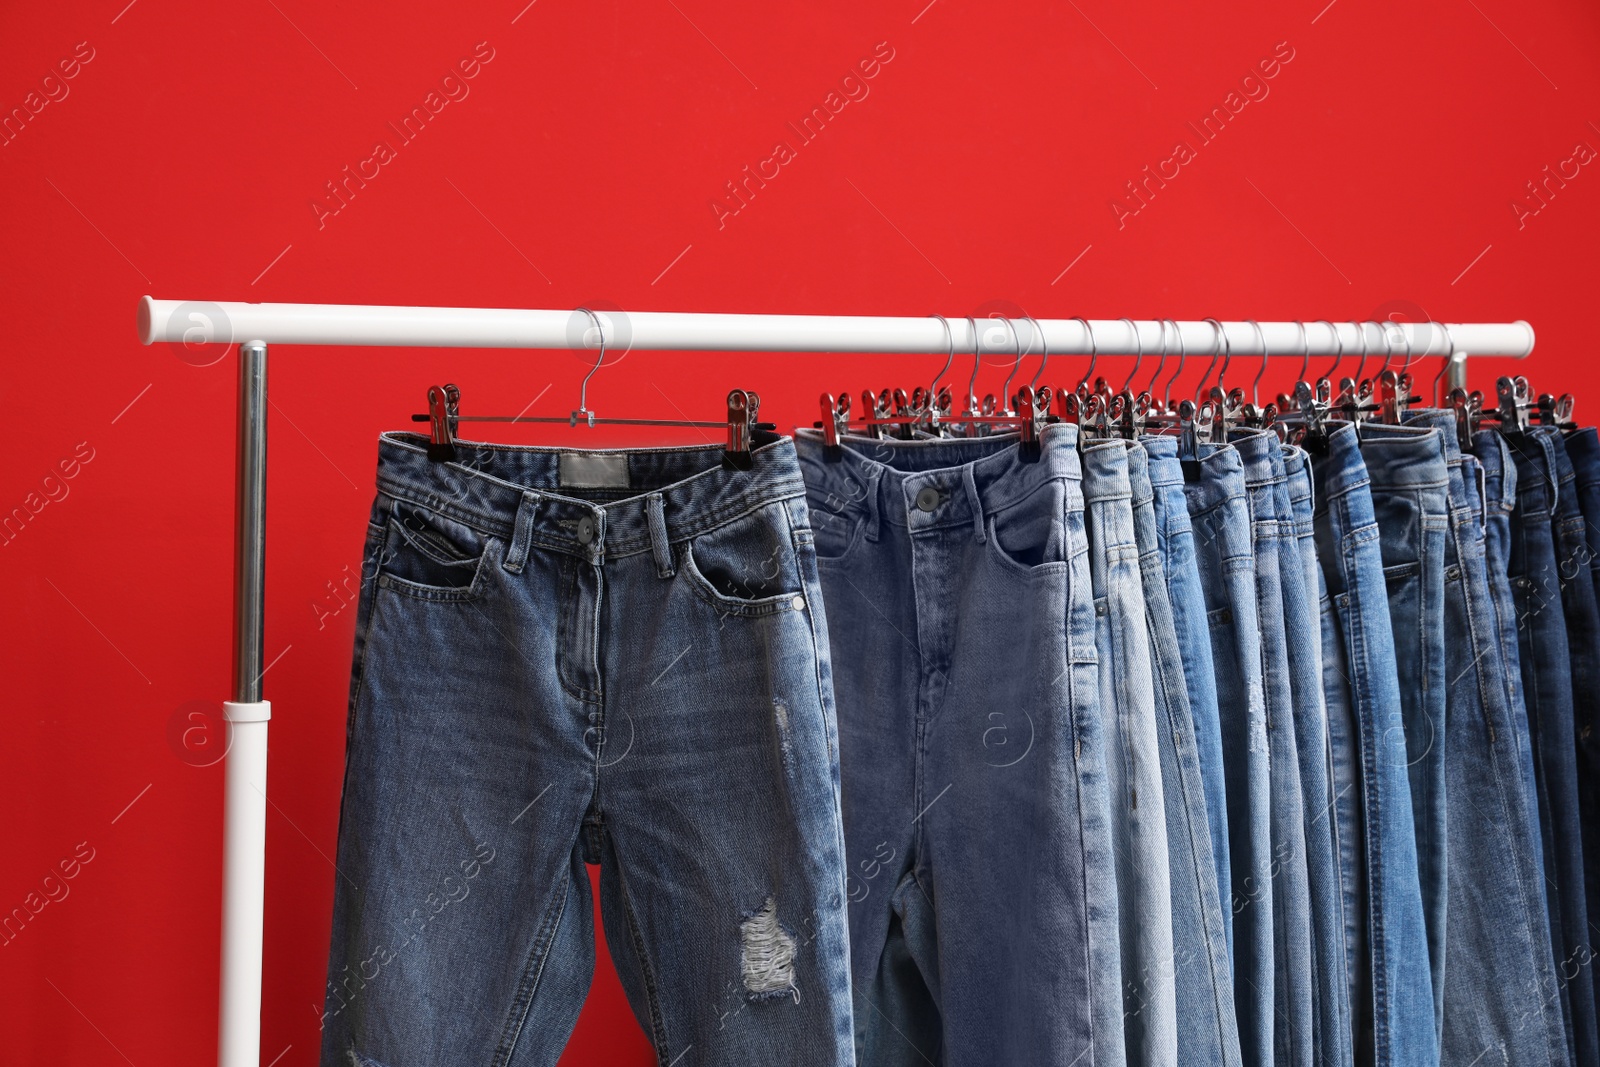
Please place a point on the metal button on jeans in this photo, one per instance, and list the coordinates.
(927, 498)
(585, 530)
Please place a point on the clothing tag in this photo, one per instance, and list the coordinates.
(593, 470)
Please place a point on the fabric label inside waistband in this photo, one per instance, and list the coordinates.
(590, 470)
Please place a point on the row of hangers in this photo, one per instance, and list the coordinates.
(1099, 411)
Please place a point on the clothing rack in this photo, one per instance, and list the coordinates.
(255, 326)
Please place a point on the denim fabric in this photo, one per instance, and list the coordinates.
(962, 630)
(1392, 989)
(1497, 974)
(1499, 502)
(1303, 594)
(1219, 508)
(548, 675)
(1175, 535)
(1277, 564)
(1410, 498)
(1583, 449)
(1573, 563)
(1133, 761)
(1202, 978)
(1535, 569)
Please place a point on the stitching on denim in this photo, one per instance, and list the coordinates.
(532, 972)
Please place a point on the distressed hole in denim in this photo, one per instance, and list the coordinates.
(768, 962)
(780, 713)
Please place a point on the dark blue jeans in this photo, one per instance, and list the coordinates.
(554, 668)
(1497, 974)
(1499, 504)
(1536, 568)
(1392, 990)
(983, 901)
(1574, 562)
(1583, 448)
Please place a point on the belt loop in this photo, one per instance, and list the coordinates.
(522, 533)
(976, 501)
(655, 515)
(872, 503)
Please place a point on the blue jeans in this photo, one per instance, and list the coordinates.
(980, 877)
(1497, 972)
(1133, 761)
(1535, 567)
(1277, 565)
(1573, 562)
(628, 671)
(1202, 978)
(1219, 508)
(1499, 503)
(1583, 449)
(1175, 536)
(1392, 989)
(1410, 498)
(1303, 595)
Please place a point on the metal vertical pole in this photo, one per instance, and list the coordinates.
(245, 786)
(250, 523)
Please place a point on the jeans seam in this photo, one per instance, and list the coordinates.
(657, 1024)
(532, 972)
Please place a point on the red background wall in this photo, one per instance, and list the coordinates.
(1378, 173)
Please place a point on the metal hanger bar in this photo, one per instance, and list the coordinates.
(195, 321)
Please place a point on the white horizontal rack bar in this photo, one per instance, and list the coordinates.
(197, 321)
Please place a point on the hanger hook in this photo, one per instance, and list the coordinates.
(1016, 343)
(1388, 345)
(1219, 345)
(1361, 328)
(1138, 344)
(1262, 337)
(1339, 341)
(1183, 357)
(1161, 366)
(1305, 351)
(1449, 358)
(950, 339)
(583, 388)
(977, 359)
(1405, 335)
(1044, 347)
(1094, 352)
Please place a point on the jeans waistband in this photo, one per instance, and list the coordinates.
(1499, 471)
(1341, 469)
(516, 491)
(1538, 490)
(1404, 457)
(1443, 421)
(1139, 483)
(1262, 456)
(1583, 446)
(1105, 470)
(1302, 493)
(1221, 478)
(933, 484)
